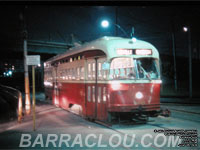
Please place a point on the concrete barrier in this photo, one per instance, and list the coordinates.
(9, 103)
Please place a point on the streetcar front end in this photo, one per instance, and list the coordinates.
(134, 83)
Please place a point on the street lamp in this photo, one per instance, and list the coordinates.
(105, 23)
(187, 29)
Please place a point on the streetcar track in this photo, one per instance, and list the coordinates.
(122, 133)
(180, 110)
(109, 126)
(185, 111)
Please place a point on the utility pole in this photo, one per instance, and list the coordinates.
(174, 51)
(190, 62)
(26, 75)
(33, 95)
(174, 56)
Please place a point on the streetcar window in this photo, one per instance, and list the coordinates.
(93, 93)
(122, 68)
(147, 68)
(100, 71)
(129, 68)
(66, 74)
(89, 71)
(89, 94)
(70, 73)
(104, 94)
(82, 73)
(89, 67)
(99, 95)
(78, 73)
(99, 67)
(93, 70)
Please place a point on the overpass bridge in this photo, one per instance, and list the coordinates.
(47, 47)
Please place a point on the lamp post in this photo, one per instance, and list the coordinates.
(26, 75)
(187, 29)
(174, 58)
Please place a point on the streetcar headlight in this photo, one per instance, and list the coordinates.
(139, 95)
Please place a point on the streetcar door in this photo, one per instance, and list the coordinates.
(101, 90)
(55, 97)
(90, 102)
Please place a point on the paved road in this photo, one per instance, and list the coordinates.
(59, 129)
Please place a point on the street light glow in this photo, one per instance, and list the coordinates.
(105, 23)
(185, 29)
(133, 39)
(10, 72)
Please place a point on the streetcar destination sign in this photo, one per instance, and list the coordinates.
(33, 60)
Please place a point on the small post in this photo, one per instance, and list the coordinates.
(19, 107)
(33, 99)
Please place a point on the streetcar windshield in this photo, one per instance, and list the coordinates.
(147, 68)
(130, 68)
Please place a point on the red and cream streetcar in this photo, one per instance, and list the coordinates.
(105, 79)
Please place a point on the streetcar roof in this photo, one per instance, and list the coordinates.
(108, 45)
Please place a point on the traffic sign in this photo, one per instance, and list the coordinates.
(33, 60)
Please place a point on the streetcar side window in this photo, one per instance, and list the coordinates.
(66, 74)
(100, 70)
(93, 93)
(73, 73)
(99, 94)
(82, 73)
(89, 71)
(93, 71)
(103, 69)
(78, 73)
(104, 94)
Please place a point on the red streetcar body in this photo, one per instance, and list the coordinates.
(124, 99)
(106, 78)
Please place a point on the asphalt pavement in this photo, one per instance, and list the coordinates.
(53, 123)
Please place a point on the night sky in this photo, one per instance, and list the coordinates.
(56, 24)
